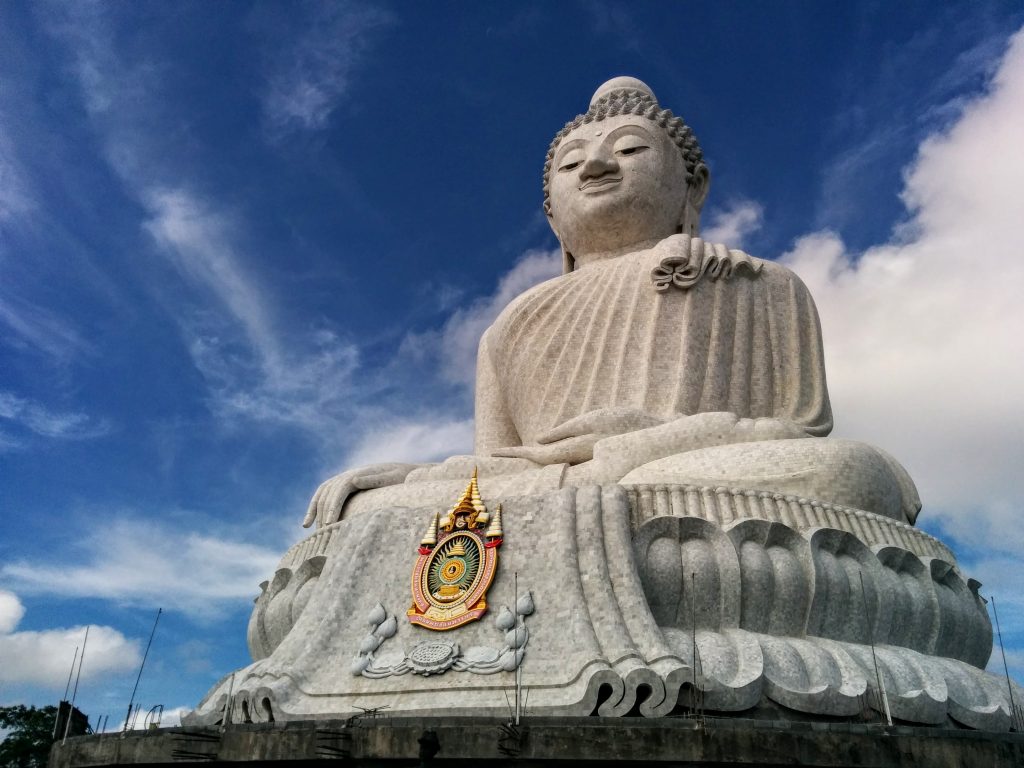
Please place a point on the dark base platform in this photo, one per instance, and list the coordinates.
(542, 741)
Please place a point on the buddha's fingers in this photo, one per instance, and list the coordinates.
(341, 488)
(314, 512)
(381, 475)
(574, 450)
(606, 421)
(310, 517)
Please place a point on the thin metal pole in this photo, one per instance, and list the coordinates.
(518, 677)
(67, 688)
(70, 673)
(698, 691)
(693, 629)
(1006, 669)
(78, 677)
(226, 718)
(141, 667)
(874, 659)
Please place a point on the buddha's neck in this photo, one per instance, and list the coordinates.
(595, 257)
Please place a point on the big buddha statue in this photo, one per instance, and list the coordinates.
(674, 523)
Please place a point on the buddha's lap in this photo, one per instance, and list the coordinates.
(842, 472)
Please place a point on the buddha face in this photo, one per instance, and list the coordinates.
(618, 183)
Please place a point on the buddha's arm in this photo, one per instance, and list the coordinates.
(616, 455)
(493, 426)
(614, 441)
(326, 505)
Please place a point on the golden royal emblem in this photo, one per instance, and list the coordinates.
(456, 565)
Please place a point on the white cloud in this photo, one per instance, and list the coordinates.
(11, 612)
(45, 422)
(254, 368)
(45, 657)
(152, 564)
(310, 73)
(732, 225)
(923, 334)
(413, 441)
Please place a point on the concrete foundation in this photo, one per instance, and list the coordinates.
(564, 742)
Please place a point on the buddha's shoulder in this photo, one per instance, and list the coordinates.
(741, 262)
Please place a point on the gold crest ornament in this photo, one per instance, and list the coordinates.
(457, 560)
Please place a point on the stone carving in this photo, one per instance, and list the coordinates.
(655, 423)
(607, 642)
(685, 270)
(280, 603)
(435, 656)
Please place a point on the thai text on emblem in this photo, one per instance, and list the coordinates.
(457, 560)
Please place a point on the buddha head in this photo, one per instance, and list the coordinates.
(622, 176)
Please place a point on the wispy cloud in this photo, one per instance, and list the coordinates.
(732, 225)
(922, 333)
(255, 369)
(310, 68)
(45, 422)
(150, 564)
(34, 328)
(44, 657)
(873, 148)
(431, 439)
(15, 198)
(258, 365)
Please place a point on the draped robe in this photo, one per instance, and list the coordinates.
(743, 338)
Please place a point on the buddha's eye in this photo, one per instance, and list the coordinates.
(570, 165)
(634, 150)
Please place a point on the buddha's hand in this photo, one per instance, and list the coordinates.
(572, 442)
(325, 506)
(616, 455)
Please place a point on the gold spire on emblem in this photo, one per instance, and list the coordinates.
(494, 529)
(430, 539)
(469, 504)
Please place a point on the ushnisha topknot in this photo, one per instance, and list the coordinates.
(628, 96)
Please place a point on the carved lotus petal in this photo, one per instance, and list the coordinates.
(388, 628)
(509, 661)
(377, 615)
(370, 644)
(525, 605)
(516, 638)
(359, 663)
(505, 620)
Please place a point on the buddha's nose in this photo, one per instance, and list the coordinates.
(598, 163)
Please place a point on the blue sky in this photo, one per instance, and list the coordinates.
(244, 246)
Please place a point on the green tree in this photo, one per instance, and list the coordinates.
(29, 734)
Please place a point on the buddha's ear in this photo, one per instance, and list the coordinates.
(700, 183)
(696, 194)
(568, 262)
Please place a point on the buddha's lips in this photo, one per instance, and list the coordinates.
(602, 182)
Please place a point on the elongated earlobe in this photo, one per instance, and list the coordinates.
(696, 194)
(568, 262)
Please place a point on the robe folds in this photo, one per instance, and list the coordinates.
(738, 334)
